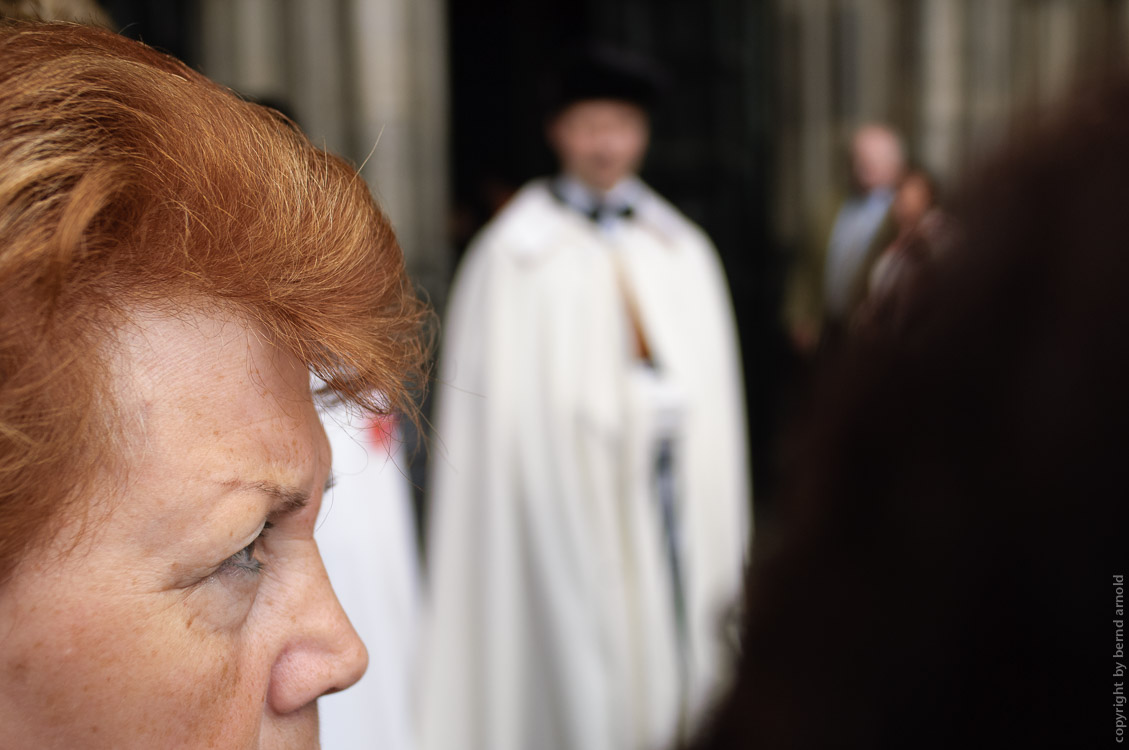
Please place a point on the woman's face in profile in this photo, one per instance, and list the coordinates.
(189, 608)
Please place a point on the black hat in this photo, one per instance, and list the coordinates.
(602, 72)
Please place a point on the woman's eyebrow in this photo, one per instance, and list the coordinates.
(286, 499)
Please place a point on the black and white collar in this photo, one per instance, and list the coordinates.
(605, 209)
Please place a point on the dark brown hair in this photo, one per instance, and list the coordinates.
(941, 571)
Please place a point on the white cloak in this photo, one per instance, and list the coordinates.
(551, 622)
(366, 533)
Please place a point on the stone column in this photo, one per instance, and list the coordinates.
(215, 47)
(990, 74)
(787, 82)
(1057, 41)
(941, 91)
(258, 50)
(401, 123)
(315, 61)
(817, 142)
(873, 60)
(365, 79)
(241, 45)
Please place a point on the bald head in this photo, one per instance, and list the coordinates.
(877, 157)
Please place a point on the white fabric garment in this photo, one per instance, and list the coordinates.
(552, 622)
(367, 537)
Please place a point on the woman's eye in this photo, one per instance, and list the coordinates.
(244, 561)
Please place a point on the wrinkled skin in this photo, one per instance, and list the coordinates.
(150, 625)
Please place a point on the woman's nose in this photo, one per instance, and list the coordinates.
(322, 653)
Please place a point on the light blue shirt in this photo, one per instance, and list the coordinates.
(856, 225)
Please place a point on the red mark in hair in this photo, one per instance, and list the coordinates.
(382, 430)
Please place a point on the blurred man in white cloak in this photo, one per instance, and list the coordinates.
(590, 487)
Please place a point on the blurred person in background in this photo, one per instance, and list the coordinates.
(949, 562)
(175, 262)
(828, 285)
(921, 234)
(590, 493)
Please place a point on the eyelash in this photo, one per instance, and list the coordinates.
(244, 561)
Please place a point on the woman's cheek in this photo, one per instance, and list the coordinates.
(137, 673)
(202, 689)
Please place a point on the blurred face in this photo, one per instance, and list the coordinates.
(600, 141)
(876, 158)
(192, 610)
(911, 202)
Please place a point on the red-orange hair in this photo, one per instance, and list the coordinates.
(128, 179)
